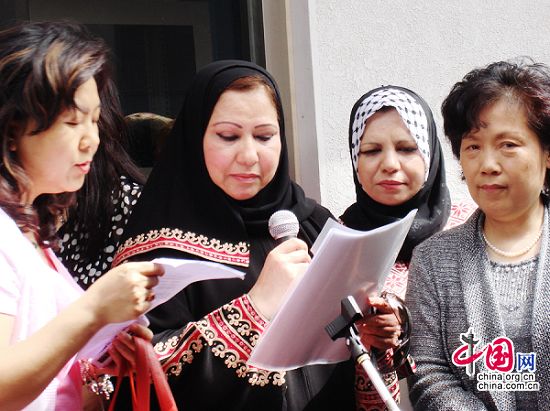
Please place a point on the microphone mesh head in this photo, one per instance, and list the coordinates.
(283, 223)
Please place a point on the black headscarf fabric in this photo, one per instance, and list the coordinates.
(432, 201)
(180, 194)
(179, 198)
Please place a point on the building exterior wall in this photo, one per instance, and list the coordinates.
(347, 47)
(427, 46)
(288, 51)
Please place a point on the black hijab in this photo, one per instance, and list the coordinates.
(182, 213)
(432, 201)
(180, 195)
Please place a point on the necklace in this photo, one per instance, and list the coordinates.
(512, 254)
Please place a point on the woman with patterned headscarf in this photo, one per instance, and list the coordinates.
(397, 167)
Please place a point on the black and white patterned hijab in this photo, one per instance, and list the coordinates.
(432, 201)
(409, 109)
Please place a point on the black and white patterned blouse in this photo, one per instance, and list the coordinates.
(86, 270)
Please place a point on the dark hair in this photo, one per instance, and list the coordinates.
(522, 81)
(94, 207)
(41, 66)
(147, 133)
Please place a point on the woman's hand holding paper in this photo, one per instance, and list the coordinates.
(123, 293)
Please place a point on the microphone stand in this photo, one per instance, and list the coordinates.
(344, 326)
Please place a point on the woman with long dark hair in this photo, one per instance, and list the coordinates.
(51, 78)
(93, 225)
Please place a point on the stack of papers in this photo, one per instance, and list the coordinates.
(178, 274)
(345, 262)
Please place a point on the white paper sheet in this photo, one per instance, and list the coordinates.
(178, 274)
(346, 262)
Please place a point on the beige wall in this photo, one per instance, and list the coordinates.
(355, 45)
(289, 58)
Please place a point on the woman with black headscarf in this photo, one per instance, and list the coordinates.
(222, 174)
(397, 167)
(391, 194)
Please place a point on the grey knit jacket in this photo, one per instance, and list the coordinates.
(449, 292)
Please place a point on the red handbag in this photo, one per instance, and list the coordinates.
(147, 369)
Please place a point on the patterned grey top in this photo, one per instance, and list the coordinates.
(449, 292)
(514, 287)
(84, 270)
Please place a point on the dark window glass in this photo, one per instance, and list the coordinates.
(158, 45)
(153, 63)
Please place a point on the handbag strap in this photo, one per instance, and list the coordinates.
(147, 368)
(164, 394)
(143, 376)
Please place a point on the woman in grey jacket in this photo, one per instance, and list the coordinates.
(478, 292)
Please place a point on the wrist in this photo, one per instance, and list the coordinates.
(255, 308)
(262, 307)
(89, 313)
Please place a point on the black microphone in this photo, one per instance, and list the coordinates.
(283, 225)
